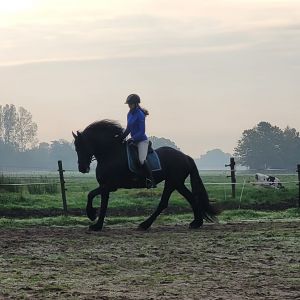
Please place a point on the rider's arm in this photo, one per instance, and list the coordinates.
(138, 135)
(130, 118)
(125, 133)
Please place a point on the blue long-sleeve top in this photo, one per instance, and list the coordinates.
(136, 125)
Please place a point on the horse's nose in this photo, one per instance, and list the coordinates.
(84, 169)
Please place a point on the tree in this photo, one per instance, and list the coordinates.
(9, 120)
(26, 130)
(213, 160)
(1, 123)
(267, 146)
(17, 127)
(290, 147)
(63, 150)
(162, 142)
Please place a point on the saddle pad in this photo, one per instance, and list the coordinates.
(132, 157)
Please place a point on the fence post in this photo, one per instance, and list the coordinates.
(232, 175)
(62, 185)
(298, 170)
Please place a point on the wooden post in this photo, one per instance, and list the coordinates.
(62, 185)
(232, 175)
(298, 170)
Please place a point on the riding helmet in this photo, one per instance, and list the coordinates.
(133, 99)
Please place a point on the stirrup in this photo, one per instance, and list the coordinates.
(150, 184)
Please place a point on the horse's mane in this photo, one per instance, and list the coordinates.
(107, 126)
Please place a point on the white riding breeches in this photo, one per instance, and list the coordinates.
(143, 150)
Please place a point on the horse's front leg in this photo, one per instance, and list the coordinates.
(103, 208)
(90, 210)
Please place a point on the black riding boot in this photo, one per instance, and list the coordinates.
(150, 183)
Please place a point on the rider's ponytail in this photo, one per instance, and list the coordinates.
(144, 110)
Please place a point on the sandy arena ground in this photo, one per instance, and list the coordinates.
(247, 260)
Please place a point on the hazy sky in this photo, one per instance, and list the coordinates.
(206, 70)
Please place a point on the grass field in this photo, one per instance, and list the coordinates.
(48, 198)
(179, 219)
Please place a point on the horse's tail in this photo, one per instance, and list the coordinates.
(206, 209)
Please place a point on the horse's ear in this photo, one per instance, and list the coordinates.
(74, 135)
(78, 133)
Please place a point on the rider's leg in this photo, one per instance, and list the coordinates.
(149, 175)
(143, 150)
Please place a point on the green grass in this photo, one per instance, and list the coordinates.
(44, 184)
(226, 216)
(48, 196)
(248, 214)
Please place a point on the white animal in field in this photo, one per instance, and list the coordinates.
(268, 181)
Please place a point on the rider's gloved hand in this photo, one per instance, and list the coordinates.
(119, 137)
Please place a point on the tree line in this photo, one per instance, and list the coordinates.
(263, 146)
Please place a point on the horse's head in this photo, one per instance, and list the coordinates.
(84, 152)
(99, 140)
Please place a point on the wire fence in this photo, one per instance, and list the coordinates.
(55, 182)
(74, 179)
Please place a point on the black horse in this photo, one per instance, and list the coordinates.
(99, 140)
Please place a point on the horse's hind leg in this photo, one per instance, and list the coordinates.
(90, 210)
(186, 193)
(168, 190)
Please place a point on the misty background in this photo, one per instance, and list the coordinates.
(205, 71)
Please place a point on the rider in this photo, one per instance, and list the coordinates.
(136, 128)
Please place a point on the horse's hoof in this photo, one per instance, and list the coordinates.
(143, 227)
(196, 224)
(94, 227)
(92, 213)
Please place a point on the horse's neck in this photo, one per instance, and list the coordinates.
(111, 153)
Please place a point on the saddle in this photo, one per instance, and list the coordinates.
(133, 157)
